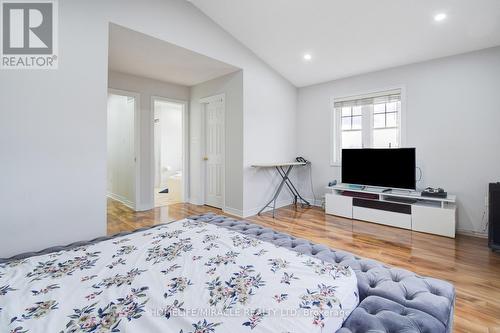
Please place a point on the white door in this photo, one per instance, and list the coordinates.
(214, 152)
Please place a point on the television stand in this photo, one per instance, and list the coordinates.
(402, 209)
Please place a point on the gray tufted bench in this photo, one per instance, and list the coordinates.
(391, 299)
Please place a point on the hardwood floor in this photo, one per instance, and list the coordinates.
(121, 218)
(465, 261)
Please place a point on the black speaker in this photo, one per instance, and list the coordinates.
(494, 217)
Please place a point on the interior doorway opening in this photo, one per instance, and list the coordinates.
(122, 147)
(169, 151)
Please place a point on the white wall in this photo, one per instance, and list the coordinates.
(146, 88)
(53, 141)
(452, 118)
(121, 149)
(270, 135)
(50, 143)
(232, 86)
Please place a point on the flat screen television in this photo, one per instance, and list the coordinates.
(382, 167)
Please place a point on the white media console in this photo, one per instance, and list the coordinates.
(397, 208)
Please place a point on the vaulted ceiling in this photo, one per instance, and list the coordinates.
(132, 52)
(349, 37)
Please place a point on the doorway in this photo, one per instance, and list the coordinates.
(122, 147)
(214, 150)
(169, 151)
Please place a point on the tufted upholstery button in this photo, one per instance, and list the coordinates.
(374, 315)
(434, 291)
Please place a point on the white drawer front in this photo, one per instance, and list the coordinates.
(338, 205)
(433, 220)
(383, 217)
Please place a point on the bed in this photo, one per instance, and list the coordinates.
(185, 276)
(211, 273)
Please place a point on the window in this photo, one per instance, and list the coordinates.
(369, 121)
(352, 128)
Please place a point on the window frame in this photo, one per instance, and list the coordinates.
(367, 122)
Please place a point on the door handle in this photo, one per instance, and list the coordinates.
(205, 158)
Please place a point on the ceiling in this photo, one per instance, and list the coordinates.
(138, 54)
(349, 37)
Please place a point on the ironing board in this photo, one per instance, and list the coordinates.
(283, 170)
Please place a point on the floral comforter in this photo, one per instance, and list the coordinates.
(183, 277)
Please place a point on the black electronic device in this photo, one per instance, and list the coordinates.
(382, 167)
(300, 159)
(332, 183)
(494, 216)
(434, 193)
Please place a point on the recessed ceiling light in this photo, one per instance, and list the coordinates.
(307, 57)
(439, 17)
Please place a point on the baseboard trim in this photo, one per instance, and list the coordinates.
(315, 202)
(233, 211)
(143, 208)
(472, 233)
(255, 211)
(121, 199)
(246, 213)
(279, 204)
(194, 201)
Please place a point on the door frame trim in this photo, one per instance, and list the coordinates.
(185, 145)
(137, 204)
(203, 101)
